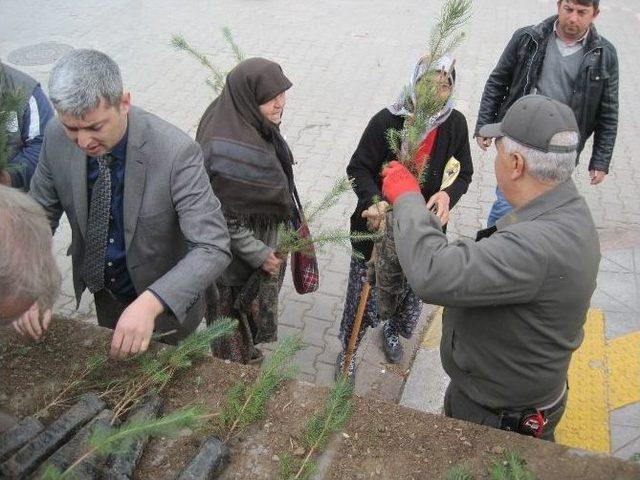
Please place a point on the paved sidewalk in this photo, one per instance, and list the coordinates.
(347, 59)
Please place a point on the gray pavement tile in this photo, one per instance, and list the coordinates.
(625, 441)
(621, 323)
(623, 287)
(314, 331)
(627, 416)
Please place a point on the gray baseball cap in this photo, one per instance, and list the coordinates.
(532, 121)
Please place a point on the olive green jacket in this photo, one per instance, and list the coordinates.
(515, 302)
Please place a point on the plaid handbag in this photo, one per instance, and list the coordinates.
(304, 265)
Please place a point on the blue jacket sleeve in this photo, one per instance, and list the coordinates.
(36, 115)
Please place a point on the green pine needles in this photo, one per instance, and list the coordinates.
(113, 441)
(154, 371)
(245, 404)
(290, 240)
(318, 430)
(445, 36)
(81, 379)
(512, 467)
(459, 472)
(218, 76)
(10, 104)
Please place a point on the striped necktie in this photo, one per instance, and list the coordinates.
(98, 227)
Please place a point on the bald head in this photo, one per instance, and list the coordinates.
(28, 271)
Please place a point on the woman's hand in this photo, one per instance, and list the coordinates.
(374, 215)
(272, 263)
(440, 201)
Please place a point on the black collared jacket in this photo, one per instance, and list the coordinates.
(373, 152)
(595, 96)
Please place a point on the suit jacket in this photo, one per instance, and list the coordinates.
(176, 237)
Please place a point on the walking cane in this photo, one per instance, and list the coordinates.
(357, 322)
(451, 172)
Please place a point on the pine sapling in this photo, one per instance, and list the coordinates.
(116, 440)
(78, 382)
(319, 429)
(426, 103)
(289, 239)
(237, 52)
(459, 472)
(511, 467)
(218, 76)
(245, 404)
(154, 371)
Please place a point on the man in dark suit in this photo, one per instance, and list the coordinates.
(148, 234)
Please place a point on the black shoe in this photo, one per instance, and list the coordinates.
(256, 356)
(405, 332)
(351, 374)
(391, 344)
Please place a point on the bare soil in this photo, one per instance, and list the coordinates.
(381, 440)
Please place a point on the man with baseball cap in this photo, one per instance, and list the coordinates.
(516, 299)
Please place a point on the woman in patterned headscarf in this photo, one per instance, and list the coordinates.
(250, 166)
(446, 137)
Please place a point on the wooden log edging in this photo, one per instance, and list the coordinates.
(31, 455)
(122, 465)
(17, 436)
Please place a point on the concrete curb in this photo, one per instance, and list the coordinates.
(425, 386)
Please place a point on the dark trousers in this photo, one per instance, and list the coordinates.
(458, 405)
(109, 308)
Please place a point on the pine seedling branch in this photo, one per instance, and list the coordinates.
(80, 380)
(289, 239)
(446, 34)
(154, 371)
(425, 104)
(218, 76)
(104, 442)
(318, 430)
(511, 467)
(245, 404)
(237, 51)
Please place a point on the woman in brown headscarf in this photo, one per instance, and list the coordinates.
(250, 167)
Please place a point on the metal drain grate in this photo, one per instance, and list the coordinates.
(39, 54)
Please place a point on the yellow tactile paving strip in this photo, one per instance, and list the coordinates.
(432, 335)
(603, 376)
(624, 370)
(586, 420)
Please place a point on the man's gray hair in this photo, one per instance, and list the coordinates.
(28, 271)
(547, 167)
(81, 79)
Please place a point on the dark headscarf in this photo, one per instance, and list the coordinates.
(248, 161)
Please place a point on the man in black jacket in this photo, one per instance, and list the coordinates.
(566, 59)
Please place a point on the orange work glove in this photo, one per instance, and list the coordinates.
(397, 180)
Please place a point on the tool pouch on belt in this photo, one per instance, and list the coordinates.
(528, 422)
